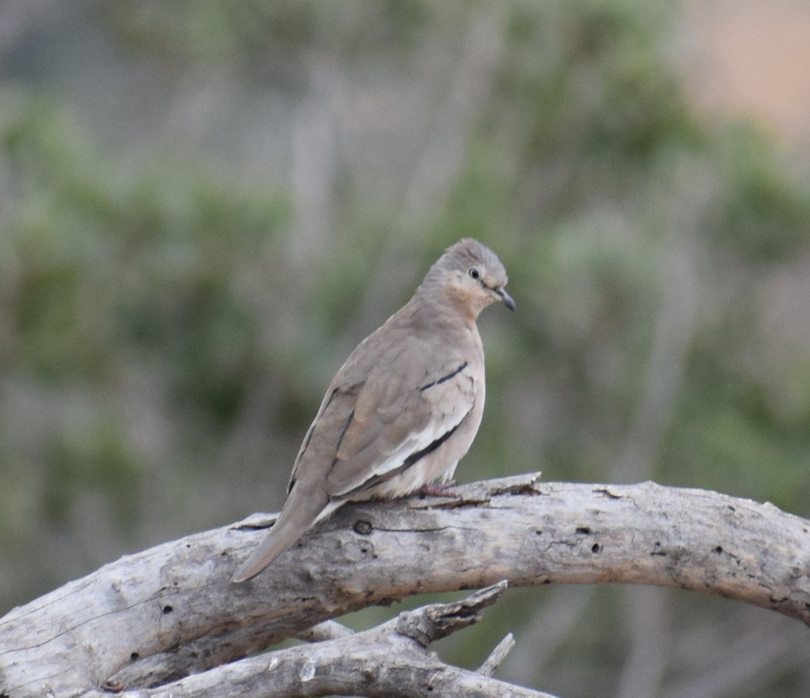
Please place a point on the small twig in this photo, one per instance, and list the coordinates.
(430, 623)
(497, 655)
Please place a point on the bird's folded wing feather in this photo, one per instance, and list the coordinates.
(371, 421)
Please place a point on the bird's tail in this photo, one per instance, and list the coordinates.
(299, 513)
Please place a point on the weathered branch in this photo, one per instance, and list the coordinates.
(493, 661)
(390, 660)
(156, 616)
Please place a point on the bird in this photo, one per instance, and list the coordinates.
(405, 406)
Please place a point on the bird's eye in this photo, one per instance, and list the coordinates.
(474, 273)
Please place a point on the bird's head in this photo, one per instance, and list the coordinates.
(471, 276)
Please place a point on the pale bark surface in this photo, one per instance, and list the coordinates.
(389, 661)
(169, 611)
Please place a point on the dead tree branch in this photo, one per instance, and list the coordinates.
(390, 660)
(157, 616)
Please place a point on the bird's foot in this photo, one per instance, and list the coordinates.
(440, 490)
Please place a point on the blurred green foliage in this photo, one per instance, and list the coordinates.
(163, 348)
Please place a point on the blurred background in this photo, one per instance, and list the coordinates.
(205, 205)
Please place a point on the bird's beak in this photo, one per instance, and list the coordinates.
(506, 299)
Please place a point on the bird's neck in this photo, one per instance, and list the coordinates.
(437, 304)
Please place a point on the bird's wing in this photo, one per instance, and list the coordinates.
(380, 416)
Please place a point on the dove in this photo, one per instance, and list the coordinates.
(405, 406)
